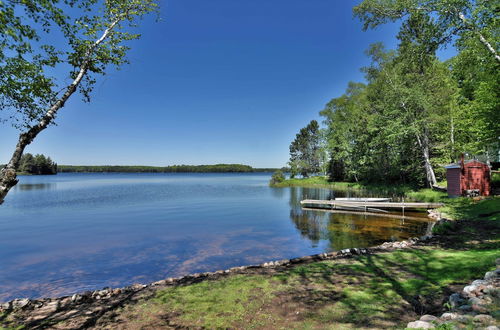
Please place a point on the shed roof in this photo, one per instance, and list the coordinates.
(457, 165)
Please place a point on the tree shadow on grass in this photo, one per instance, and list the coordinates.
(388, 288)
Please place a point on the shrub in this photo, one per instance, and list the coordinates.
(277, 177)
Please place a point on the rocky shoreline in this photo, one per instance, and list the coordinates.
(477, 306)
(82, 310)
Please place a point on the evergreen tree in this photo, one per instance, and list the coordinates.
(305, 151)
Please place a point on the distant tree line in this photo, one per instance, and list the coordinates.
(38, 164)
(217, 168)
(415, 113)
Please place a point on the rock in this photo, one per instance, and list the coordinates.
(470, 290)
(456, 300)
(491, 327)
(428, 318)
(483, 319)
(465, 308)
(45, 311)
(449, 316)
(463, 318)
(478, 305)
(492, 275)
(6, 306)
(420, 325)
(20, 303)
(497, 261)
(104, 292)
(65, 302)
(76, 297)
(86, 294)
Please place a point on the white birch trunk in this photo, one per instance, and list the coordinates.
(8, 177)
(481, 37)
(429, 171)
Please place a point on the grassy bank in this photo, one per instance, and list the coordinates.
(322, 182)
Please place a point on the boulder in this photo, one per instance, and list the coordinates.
(483, 319)
(20, 303)
(456, 300)
(428, 318)
(494, 274)
(491, 327)
(449, 316)
(420, 325)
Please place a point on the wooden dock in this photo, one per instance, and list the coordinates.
(367, 206)
(378, 214)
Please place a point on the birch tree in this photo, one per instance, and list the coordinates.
(454, 18)
(93, 36)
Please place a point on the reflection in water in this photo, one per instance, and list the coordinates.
(342, 229)
(278, 192)
(35, 186)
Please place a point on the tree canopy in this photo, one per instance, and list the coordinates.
(305, 151)
(38, 164)
(92, 36)
(416, 113)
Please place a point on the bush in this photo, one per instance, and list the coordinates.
(277, 177)
(442, 228)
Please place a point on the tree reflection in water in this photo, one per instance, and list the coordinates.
(349, 230)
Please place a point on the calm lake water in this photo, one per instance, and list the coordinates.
(74, 232)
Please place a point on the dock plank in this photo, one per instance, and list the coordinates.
(368, 204)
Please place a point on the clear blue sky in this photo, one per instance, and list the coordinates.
(219, 81)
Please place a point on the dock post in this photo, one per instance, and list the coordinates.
(403, 206)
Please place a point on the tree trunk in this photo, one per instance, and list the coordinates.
(423, 142)
(8, 177)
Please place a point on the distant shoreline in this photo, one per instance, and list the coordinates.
(217, 168)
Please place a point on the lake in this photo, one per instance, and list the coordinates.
(73, 232)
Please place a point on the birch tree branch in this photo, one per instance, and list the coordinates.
(481, 37)
(8, 178)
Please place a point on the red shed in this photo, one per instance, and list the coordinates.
(469, 177)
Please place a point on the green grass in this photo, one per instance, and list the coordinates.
(467, 208)
(220, 303)
(408, 191)
(369, 291)
(427, 195)
(322, 182)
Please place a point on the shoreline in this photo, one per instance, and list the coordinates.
(433, 215)
(91, 305)
(106, 307)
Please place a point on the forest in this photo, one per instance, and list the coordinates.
(37, 165)
(217, 168)
(414, 113)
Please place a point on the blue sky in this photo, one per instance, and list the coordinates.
(219, 81)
